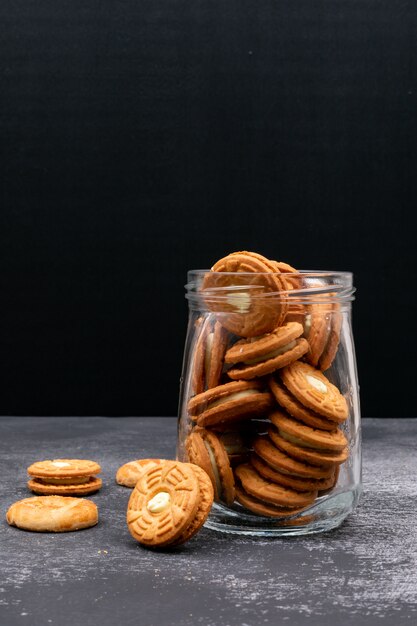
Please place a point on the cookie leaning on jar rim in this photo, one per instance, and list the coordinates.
(262, 359)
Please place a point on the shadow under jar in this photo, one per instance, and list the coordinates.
(269, 400)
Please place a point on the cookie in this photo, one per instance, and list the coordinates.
(64, 477)
(293, 482)
(307, 437)
(205, 449)
(232, 401)
(282, 462)
(209, 354)
(288, 402)
(129, 473)
(54, 514)
(315, 391)
(262, 355)
(321, 458)
(248, 305)
(168, 504)
(263, 508)
(322, 329)
(269, 492)
(330, 350)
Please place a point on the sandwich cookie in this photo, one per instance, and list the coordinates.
(322, 328)
(285, 464)
(263, 508)
(129, 473)
(169, 504)
(288, 402)
(209, 354)
(55, 514)
(319, 457)
(232, 401)
(315, 391)
(247, 305)
(290, 481)
(205, 449)
(64, 477)
(271, 493)
(262, 355)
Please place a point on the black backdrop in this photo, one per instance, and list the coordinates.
(143, 138)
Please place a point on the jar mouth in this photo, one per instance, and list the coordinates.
(303, 287)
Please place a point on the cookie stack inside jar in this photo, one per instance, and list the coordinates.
(261, 416)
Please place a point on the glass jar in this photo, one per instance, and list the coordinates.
(269, 399)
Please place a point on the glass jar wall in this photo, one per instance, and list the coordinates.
(269, 400)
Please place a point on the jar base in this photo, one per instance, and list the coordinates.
(322, 517)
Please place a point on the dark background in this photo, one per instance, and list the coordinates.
(141, 139)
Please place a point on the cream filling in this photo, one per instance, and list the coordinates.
(297, 442)
(60, 464)
(239, 395)
(75, 480)
(307, 325)
(316, 383)
(214, 468)
(272, 355)
(239, 301)
(207, 354)
(159, 503)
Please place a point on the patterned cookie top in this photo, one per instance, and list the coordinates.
(52, 514)
(163, 503)
(64, 467)
(305, 436)
(129, 473)
(314, 390)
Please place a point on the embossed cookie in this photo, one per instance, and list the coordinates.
(205, 449)
(272, 493)
(169, 504)
(315, 391)
(209, 354)
(259, 356)
(307, 437)
(282, 462)
(64, 477)
(246, 305)
(264, 508)
(288, 480)
(290, 403)
(322, 329)
(129, 473)
(321, 458)
(232, 401)
(54, 514)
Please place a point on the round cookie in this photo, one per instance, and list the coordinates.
(129, 473)
(288, 402)
(331, 347)
(38, 486)
(242, 303)
(315, 391)
(287, 480)
(164, 504)
(263, 508)
(317, 330)
(269, 492)
(307, 437)
(284, 463)
(63, 468)
(205, 450)
(206, 502)
(232, 401)
(321, 458)
(262, 355)
(54, 514)
(209, 355)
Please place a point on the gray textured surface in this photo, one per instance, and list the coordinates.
(365, 572)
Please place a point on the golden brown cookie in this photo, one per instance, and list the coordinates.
(284, 463)
(166, 502)
(64, 477)
(232, 401)
(244, 289)
(321, 458)
(259, 356)
(288, 402)
(306, 437)
(206, 502)
(54, 514)
(315, 391)
(272, 493)
(322, 328)
(205, 449)
(293, 482)
(209, 354)
(129, 473)
(332, 344)
(264, 508)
